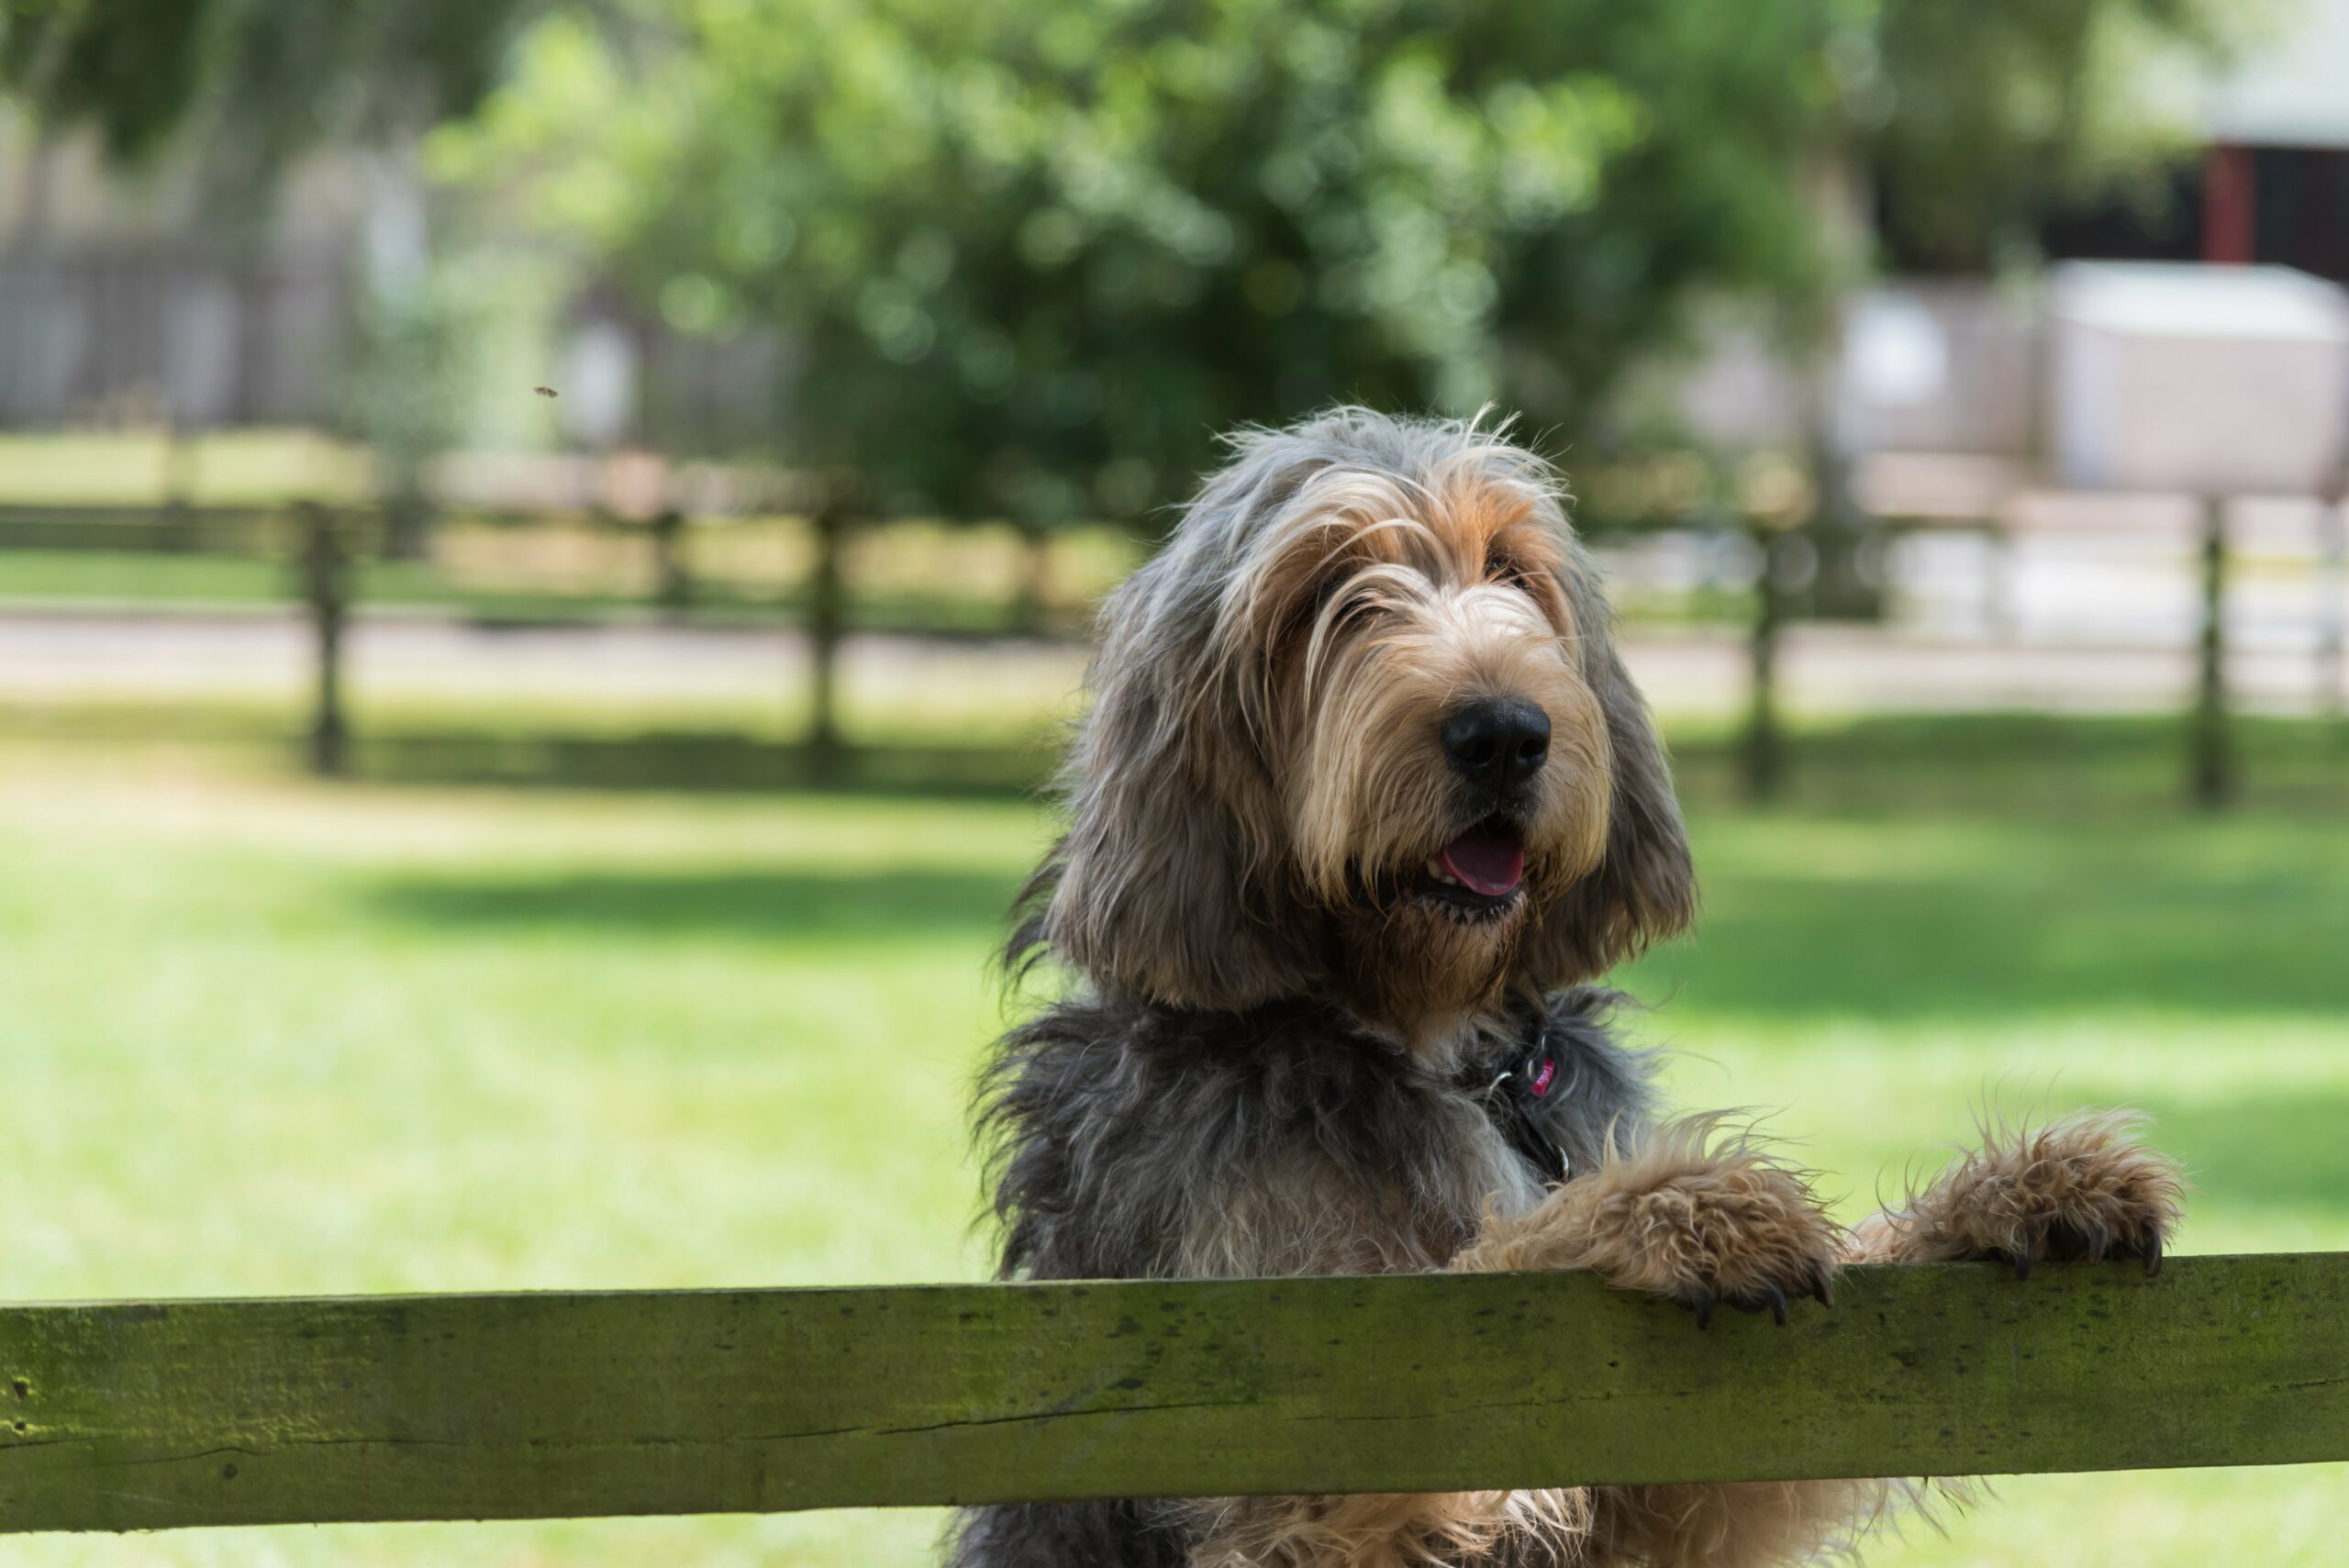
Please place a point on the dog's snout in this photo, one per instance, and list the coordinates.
(1499, 742)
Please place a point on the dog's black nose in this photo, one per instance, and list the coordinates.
(1499, 742)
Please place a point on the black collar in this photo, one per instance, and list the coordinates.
(1513, 1087)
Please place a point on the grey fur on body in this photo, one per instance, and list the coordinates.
(1141, 1143)
(1136, 1141)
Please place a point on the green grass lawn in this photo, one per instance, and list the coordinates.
(262, 1036)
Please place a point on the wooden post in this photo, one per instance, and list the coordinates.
(1030, 607)
(674, 581)
(1765, 757)
(179, 486)
(327, 590)
(825, 597)
(2332, 605)
(408, 537)
(2212, 775)
(2003, 613)
(2230, 229)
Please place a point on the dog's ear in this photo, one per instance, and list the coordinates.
(1643, 889)
(1163, 884)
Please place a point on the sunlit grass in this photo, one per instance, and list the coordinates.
(562, 562)
(140, 467)
(262, 1036)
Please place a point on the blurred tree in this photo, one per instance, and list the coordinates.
(1975, 118)
(1065, 241)
(1030, 258)
(1027, 257)
(252, 82)
(1963, 125)
(240, 88)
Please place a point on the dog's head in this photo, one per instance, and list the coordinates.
(1360, 732)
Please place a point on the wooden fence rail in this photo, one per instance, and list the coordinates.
(122, 1416)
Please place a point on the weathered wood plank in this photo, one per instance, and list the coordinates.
(147, 1416)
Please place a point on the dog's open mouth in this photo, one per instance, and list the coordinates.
(1481, 870)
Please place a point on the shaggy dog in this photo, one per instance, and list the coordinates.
(1363, 805)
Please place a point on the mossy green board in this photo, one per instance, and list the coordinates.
(147, 1416)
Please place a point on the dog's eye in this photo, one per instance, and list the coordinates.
(1307, 607)
(1504, 569)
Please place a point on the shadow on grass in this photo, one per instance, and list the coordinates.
(2054, 938)
(778, 904)
(696, 761)
(2037, 764)
(2065, 874)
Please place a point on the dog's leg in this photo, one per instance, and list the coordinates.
(1416, 1529)
(2081, 1188)
(1708, 1221)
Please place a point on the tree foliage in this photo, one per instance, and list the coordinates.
(1978, 118)
(1029, 256)
(253, 83)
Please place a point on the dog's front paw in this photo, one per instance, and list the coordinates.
(1736, 1229)
(1703, 1221)
(2080, 1190)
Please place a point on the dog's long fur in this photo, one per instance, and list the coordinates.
(1276, 1059)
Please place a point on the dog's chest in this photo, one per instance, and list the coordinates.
(1398, 1183)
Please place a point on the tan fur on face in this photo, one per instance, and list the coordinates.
(1378, 608)
(1375, 609)
(1263, 769)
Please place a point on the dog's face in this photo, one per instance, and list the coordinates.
(1442, 765)
(1361, 734)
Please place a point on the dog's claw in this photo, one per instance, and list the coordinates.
(1767, 1296)
(2093, 1243)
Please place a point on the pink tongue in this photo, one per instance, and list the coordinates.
(1488, 863)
